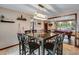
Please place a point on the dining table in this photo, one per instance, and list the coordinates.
(41, 37)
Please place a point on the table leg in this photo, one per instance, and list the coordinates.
(39, 51)
(42, 48)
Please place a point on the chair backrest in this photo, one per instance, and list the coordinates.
(58, 41)
(53, 40)
(32, 39)
(19, 35)
(21, 43)
(60, 38)
(22, 38)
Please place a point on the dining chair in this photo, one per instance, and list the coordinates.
(60, 44)
(23, 49)
(53, 46)
(33, 45)
(20, 43)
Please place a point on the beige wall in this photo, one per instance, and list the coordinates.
(8, 31)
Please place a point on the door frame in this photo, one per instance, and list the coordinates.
(75, 15)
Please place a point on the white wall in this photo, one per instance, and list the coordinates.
(8, 31)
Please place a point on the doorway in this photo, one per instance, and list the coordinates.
(68, 22)
(45, 26)
(67, 27)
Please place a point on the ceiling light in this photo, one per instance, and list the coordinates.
(39, 15)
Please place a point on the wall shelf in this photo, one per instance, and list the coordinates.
(39, 23)
(21, 18)
(7, 21)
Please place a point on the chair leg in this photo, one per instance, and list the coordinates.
(49, 52)
(32, 52)
(29, 51)
(39, 51)
(60, 50)
(20, 51)
(23, 50)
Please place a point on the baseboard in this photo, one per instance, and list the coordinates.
(77, 46)
(8, 47)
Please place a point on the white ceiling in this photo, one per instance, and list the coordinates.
(49, 9)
